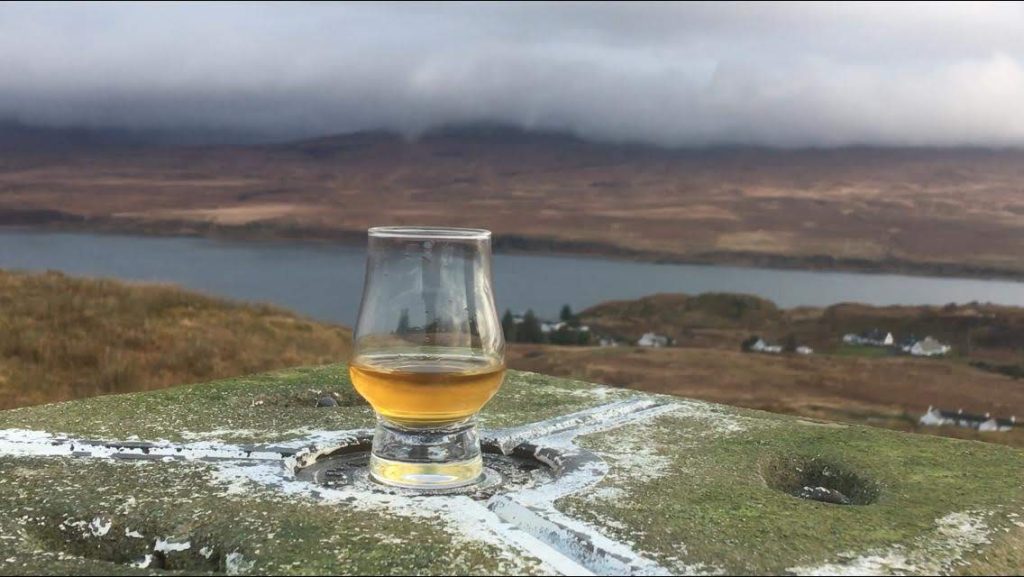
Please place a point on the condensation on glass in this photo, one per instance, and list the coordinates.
(429, 352)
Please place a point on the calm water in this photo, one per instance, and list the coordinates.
(325, 281)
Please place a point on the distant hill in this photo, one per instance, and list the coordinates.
(669, 313)
(64, 338)
(21, 139)
(942, 211)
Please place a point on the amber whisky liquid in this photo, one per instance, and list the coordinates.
(426, 391)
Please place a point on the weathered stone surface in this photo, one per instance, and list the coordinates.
(199, 478)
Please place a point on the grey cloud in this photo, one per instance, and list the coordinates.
(677, 74)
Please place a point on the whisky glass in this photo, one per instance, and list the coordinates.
(429, 353)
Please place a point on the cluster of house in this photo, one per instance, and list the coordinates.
(653, 340)
(548, 327)
(938, 418)
(762, 346)
(926, 347)
(650, 339)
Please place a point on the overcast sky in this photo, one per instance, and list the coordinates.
(679, 74)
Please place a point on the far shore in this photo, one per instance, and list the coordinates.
(513, 244)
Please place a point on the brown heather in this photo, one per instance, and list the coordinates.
(63, 338)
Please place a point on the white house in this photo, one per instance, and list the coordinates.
(607, 342)
(989, 424)
(550, 327)
(653, 340)
(1000, 425)
(874, 337)
(804, 350)
(929, 347)
(547, 327)
(761, 346)
(938, 418)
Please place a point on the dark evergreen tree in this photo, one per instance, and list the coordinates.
(563, 336)
(583, 338)
(508, 326)
(529, 331)
(567, 316)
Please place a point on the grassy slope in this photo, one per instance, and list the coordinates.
(63, 338)
(890, 392)
(856, 384)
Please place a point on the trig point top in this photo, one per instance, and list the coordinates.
(249, 475)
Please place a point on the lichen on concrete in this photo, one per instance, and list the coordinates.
(178, 512)
(700, 499)
(689, 489)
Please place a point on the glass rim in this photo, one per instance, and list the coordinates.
(431, 232)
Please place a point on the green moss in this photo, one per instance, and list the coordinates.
(181, 502)
(707, 501)
(530, 397)
(258, 407)
(280, 405)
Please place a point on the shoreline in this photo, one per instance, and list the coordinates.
(54, 221)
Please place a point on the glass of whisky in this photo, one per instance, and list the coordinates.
(429, 353)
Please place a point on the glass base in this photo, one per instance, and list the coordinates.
(426, 475)
(426, 458)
